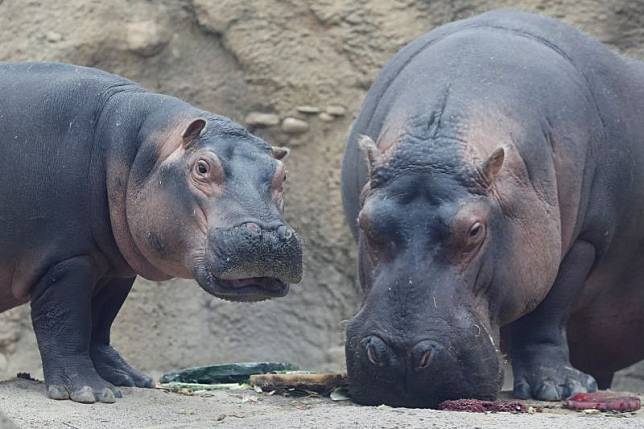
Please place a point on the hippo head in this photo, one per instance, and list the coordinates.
(205, 201)
(440, 269)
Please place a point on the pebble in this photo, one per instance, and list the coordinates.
(325, 117)
(53, 37)
(260, 119)
(294, 126)
(309, 110)
(336, 110)
(145, 38)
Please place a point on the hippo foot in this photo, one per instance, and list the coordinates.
(113, 368)
(549, 381)
(79, 383)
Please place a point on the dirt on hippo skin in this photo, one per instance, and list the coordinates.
(296, 73)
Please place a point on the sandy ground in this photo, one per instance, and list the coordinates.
(24, 403)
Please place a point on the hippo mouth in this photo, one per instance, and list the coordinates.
(245, 289)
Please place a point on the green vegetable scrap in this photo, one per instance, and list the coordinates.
(226, 373)
(194, 388)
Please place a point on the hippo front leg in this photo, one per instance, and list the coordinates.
(539, 348)
(61, 306)
(108, 362)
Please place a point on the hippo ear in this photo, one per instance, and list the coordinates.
(193, 131)
(280, 152)
(492, 165)
(368, 146)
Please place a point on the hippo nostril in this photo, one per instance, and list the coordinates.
(284, 232)
(253, 227)
(422, 354)
(424, 359)
(376, 350)
(371, 354)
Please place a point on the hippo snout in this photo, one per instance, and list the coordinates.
(253, 250)
(419, 369)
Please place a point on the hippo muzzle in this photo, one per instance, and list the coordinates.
(252, 261)
(421, 367)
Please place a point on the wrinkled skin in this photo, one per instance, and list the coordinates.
(491, 181)
(102, 181)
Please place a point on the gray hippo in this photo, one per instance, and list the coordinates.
(494, 182)
(101, 181)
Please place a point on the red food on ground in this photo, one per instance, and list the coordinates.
(603, 401)
(478, 406)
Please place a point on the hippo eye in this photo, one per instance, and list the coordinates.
(475, 230)
(202, 167)
(475, 233)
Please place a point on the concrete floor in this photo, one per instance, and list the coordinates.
(25, 404)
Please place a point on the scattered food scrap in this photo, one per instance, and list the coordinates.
(603, 401)
(479, 406)
(225, 373)
(323, 383)
(269, 377)
(340, 393)
(197, 388)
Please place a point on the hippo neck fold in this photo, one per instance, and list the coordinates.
(120, 139)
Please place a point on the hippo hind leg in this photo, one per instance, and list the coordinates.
(61, 316)
(108, 362)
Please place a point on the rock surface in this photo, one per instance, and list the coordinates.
(308, 110)
(146, 38)
(258, 119)
(294, 126)
(236, 57)
(336, 110)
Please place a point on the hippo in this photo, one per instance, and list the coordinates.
(101, 181)
(494, 183)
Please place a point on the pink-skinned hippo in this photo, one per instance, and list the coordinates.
(101, 181)
(494, 182)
